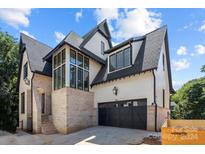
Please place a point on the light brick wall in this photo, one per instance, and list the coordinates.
(41, 84)
(72, 110)
(162, 116)
(81, 113)
(23, 87)
(59, 109)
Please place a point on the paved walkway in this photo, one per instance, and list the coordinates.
(99, 135)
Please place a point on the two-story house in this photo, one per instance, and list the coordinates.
(85, 81)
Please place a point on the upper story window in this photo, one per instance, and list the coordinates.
(25, 70)
(79, 71)
(120, 60)
(163, 58)
(59, 70)
(102, 47)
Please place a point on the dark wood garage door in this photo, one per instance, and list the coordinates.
(125, 114)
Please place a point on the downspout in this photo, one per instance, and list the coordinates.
(32, 102)
(155, 103)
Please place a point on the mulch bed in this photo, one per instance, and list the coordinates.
(152, 140)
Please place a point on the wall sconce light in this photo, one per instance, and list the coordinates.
(115, 91)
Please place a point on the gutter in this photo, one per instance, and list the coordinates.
(155, 103)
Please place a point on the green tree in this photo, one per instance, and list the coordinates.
(203, 68)
(190, 100)
(8, 78)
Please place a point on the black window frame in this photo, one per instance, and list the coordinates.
(102, 46)
(116, 68)
(163, 97)
(43, 103)
(22, 102)
(59, 70)
(25, 70)
(163, 61)
(79, 69)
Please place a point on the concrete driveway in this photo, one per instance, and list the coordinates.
(99, 135)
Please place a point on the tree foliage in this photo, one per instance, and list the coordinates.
(203, 68)
(190, 100)
(8, 78)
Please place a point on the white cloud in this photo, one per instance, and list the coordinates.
(59, 36)
(15, 17)
(137, 22)
(78, 15)
(202, 27)
(199, 49)
(27, 33)
(107, 13)
(192, 54)
(181, 64)
(182, 50)
(129, 22)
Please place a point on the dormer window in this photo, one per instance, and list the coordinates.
(102, 47)
(25, 70)
(120, 60)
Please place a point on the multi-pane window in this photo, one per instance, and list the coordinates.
(59, 70)
(120, 59)
(102, 47)
(25, 70)
(79, 71)
(23, 102)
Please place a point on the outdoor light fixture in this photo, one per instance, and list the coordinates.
(115, 90)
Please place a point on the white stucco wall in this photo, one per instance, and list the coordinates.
(134, 87)
(23, 87)
(94, 44)
(162, 80)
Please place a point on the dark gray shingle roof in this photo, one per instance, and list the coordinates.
(36, 51)
(146, 59)
(78, 42)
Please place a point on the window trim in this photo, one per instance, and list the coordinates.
(83, 68)
(25, 71)
(163, 97)
(60, 66)
(102, 47)
(163, 61)
(44, 111)
(23, 106)
(130, 47)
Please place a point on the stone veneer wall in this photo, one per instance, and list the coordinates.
(72, 110)
(80, 107)
(59, 109)
(44, 83)
(162, 115)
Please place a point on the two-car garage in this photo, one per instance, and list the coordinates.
(125, 114)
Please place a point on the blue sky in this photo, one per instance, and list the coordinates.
(186, 30)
